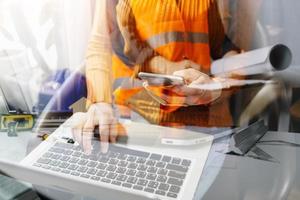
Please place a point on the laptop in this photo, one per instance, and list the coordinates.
(145, 166)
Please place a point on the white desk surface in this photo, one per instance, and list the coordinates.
(248, 178)
(14, 148)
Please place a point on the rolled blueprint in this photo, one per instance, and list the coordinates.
(260, 61)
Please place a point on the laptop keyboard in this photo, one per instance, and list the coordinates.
(139, 170)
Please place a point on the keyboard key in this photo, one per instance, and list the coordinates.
(92, 171)
(104, 159)
(151, 162)
(82, 162)
(177, 168)
(166, 159)
(47, 155)
(46, 167)
(77, 148)
(56, 169)
(76, 154)
(101, 166)
(131, 159)
(63, 145)
(95, 178)
(56, 150)
(175, 181)
(64, 165)
(153, 184)
(65, 158)
(85, 176)
(176, 161)
(141, 174)
(172, 195)
(116, 182)
(55, 156)
(138, 187)
(101, 173)
(122, 157)
(142, 167)
(151, 177)
(142, 182)
(85, 156)
(159, 192)
(59, 144)
(163, 186)
(131, 172)
(111, 168)
(155, 157)
(43, 161)
(160, 164)
(54, 163)
(105, 180)
(162, 178)
(82, 169)
(93, 157)
(152, 170)
(132, 166)
(162, 171)
(174, 189)
(74, 160)
(141, 160)
(65, 171)
(186, 163)
(122, 177)
(113, 154)
(111, 175)
(123, 163)
(73, 167)
(176, 174)
(121, 170)
(132, 180)
(92, 164)
(68, 152)
(75, 173)
(129, 152)
(128, 185)
(151, 190)
(113, 161)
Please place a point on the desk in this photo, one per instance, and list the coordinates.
(234, 177)
(248, 178)
(14, 148)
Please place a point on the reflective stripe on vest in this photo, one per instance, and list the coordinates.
(162, 39)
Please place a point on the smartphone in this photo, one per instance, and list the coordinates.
(161, 79)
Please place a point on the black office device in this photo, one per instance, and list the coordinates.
(243, 140)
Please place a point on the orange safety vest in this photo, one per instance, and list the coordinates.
(174, 31)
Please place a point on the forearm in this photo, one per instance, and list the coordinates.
(98, 71)
(98, 59)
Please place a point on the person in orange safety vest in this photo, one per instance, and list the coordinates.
(178, 37)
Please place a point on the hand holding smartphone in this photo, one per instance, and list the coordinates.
(165, 81)
(161, 79)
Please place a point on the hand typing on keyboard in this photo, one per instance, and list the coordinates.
(99, 115)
